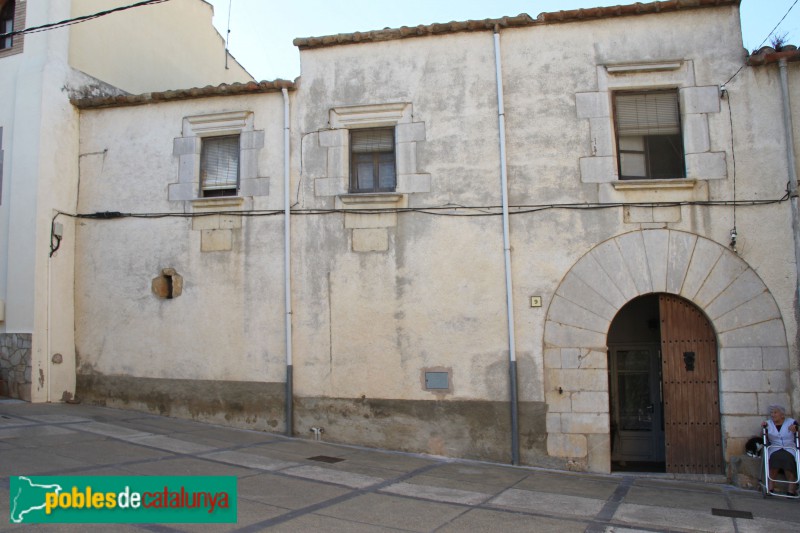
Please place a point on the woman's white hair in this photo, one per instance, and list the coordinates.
(776, 407)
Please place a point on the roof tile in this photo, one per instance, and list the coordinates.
(521, 20)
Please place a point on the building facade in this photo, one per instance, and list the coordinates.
(565, 241)
(39, 130)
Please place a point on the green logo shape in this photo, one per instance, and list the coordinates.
(122, 499)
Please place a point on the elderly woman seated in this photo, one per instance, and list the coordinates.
(781, 430)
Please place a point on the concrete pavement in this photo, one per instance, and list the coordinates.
(301, 485)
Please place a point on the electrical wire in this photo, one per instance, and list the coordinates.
(448, 210)
(443, 210)
(78, 20)
(765, 40)
(733, 158)
(779, 23)
(228, 34)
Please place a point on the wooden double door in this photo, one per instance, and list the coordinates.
(664, 390)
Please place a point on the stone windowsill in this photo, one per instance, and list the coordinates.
(654, 185)
(654, 191)
(217, 202)
(371, 198)
(376, 200)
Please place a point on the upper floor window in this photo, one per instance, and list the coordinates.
(219, 166)
(372, 160)
(6, 23)
(648, 130)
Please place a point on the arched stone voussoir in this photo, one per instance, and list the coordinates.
(578, 291)
(641, 262)
(743, 313)
(569, 313)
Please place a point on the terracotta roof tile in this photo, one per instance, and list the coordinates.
(521, 20)
(224, 89)
(766, 55)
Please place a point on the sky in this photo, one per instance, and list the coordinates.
(262, 30)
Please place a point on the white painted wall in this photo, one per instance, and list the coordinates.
(40, 144)
(227, 325)
(366, 324)
(165, 46)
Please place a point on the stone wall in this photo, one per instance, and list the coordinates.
(468, 429)
(15, 365)
(753, 353)
(243, 404)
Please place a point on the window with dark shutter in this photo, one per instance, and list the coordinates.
(649, 141)
(219, 166)
(7, 24)
(372, 160)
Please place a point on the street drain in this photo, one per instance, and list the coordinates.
(325, 459)
(732, 514)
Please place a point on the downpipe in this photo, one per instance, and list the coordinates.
(287, 279)
(512, 350)
(790, 156)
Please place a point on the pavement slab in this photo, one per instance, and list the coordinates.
(675, 498)
(570, 485)
(492, 521)
(183, 466)
(281, 488)
(438, 494)
(547, 504)
(248, 460)
(328, 524)
(497, 476)
(394, 512)
(287, 492)
(25, 432)
(673, 518)
(328, 475)
(171, 444)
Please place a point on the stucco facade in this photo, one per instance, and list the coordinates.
(40, 168)
(170, 46)
(400, 300)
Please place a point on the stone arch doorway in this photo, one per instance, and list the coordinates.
(751, 338)
(664, 388)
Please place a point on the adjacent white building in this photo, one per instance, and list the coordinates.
(39, 129)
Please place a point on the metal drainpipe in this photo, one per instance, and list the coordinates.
(789, 131)
(287, 249)
(512, 351)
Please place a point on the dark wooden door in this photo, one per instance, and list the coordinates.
(691, 389)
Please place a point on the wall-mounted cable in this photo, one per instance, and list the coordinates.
(78, 20)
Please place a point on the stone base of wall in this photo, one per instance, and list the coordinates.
(746, 471)
(243, 404)
(15, 365)
(466, 429)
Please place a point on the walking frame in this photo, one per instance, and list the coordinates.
(765, 453)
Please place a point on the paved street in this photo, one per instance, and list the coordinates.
(286, 485)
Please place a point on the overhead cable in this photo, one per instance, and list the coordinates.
(77, 20)
(765, 40)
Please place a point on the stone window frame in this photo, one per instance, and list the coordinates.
(18, 42)
(335, 141)
(696, 103)
(188, 147)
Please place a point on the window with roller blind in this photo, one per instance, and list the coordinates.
(648, 132)
(219, 166)
(372, 160)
